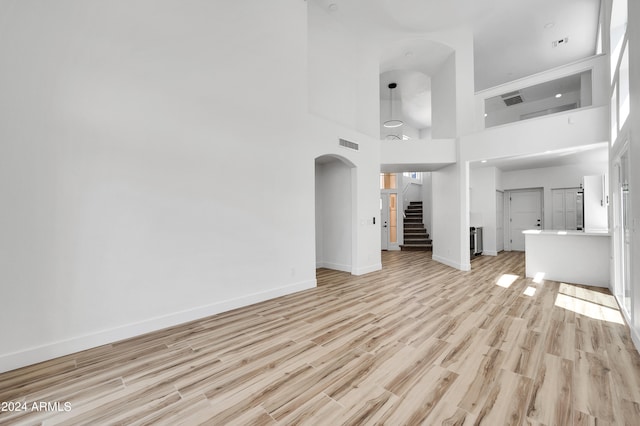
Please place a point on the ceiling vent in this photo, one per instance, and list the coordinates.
(560, 42)
(512, 98)
(348, 144)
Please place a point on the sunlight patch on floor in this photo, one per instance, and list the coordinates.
(589, 295)
(589, 309)
(539, 277)
(506, 280)
(530, 291)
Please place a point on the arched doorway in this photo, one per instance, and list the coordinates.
(334, 186)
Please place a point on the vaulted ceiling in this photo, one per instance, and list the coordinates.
(512, 38)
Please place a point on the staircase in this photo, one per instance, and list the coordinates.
(415, 234)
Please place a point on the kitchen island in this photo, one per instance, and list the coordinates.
(574, 257)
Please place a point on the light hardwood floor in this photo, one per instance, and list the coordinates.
(416, 343)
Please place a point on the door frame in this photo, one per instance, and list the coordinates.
(385, 193)
(507, 212)
(500, 245)
(384, 217)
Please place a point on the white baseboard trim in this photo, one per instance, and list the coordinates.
(30, 356)
(335, 266)
(635, 334)
(452, 263)
(489, 253)
(367, 269)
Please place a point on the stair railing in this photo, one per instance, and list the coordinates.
(405, 202)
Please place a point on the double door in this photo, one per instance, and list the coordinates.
(567, 208)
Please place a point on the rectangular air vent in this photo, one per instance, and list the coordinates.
(348, 144)
(560, 42)
(512, 98)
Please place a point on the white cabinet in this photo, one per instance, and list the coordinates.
(595, 203)
(565, 211)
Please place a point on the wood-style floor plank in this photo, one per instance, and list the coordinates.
(415, 343)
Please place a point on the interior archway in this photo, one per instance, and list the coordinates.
(334, 187)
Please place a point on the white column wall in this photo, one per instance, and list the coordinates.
(443, 100)
(447, 217)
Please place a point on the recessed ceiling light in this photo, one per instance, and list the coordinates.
(333, 7)
(483, 161)
(558, 95)
(549, 25)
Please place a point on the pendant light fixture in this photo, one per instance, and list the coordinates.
(391, 122)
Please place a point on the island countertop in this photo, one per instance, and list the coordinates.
(570, 256)
(578, 233)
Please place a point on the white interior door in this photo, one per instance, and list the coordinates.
(389, 219)
(525, 212)
(384, 221)
(558, 209)
(570, 209)
(499, 221)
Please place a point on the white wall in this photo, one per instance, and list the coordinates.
(482, 210)
(122, 133)
(332, 65)
(415, 154)
(443, 100)
(537, 135)
(343, 73)
(334, 216)
(568, 176)
(427, 200)
(446, 232)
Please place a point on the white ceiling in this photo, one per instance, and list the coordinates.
(510, 37)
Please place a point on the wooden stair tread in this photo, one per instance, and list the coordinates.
(416, 237)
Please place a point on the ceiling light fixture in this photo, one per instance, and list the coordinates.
(483, 161)
(391, 122)
(558, 95)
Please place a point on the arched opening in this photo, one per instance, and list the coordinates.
(334, 186)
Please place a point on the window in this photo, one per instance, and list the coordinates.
(617, 32)
(415, 176)
(388, 181)
(619, 49)
(623, 88)
(614, 114)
